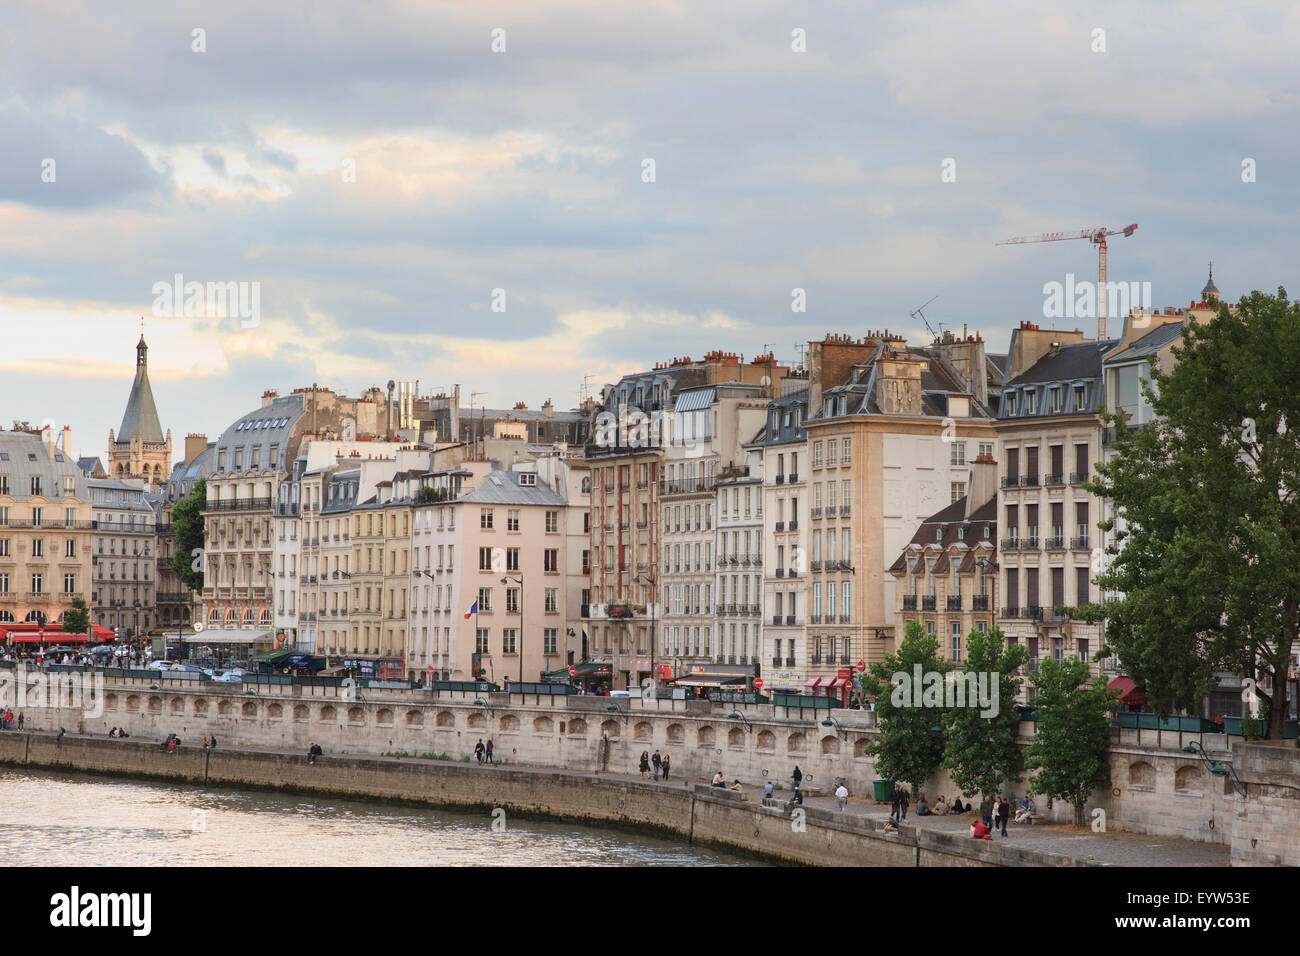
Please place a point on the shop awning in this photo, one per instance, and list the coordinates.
(812, 682)
(229, 636)
(1130, 693)
(840, 682)
(705, 679)
(46, 637)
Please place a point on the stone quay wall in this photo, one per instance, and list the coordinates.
(693, 812)
(1155, 788)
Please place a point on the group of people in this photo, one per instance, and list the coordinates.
(210, 743)
(7, 719)
(482, 752)
(720, 781)
(170, 743)
(118, 732)
(655, 765)
(899, 800)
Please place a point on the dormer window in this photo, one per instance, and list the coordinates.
(1031, 401)
(1054, 398)
(938, 534)
(986, 532)
(528, 479)
(1078, 398)
(961, 534)
(1011, 404)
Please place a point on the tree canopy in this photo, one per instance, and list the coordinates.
(981, 751)
(187, 521)
(1072, 714)
(1206, 550)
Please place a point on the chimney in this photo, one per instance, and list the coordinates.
(269, 396)
(983, 483)
(1029, 343)
(548, 408)
(965, 356)
(48, 439)
(194, 445)
(898, 386)
(65, 441)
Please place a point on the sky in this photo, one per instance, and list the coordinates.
(523, 197)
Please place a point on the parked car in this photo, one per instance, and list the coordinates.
(229, 677)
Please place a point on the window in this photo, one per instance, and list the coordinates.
(551, 560)
(1078, 398)
(958, 454)
(69, 484)
(552, 522)
(512, 600)
(1011, 404)
(846, 446)
(4, 547)
(484, 600)
(69, 547)
(512, 559)
(38, 550)
(485, 559)
(986, 449)
(4, 583)
(527, 479)
(69, 584)
(552, 600)
(958, 490)
(1031, 401)
(956, 641)
(549, 640)
(38, 583)
(485, 518)
(512, 518)
(4, 484)
(1054, 399)
(36, 484)
(481, 641)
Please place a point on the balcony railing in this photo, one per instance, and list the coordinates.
(780, 526)
(980, 602)
(909, 602)
(776, 662)
(815, 619)
(817, 565)
(1010, 481)
(1079, 543)
(928, 603)
(789, 620)
(954, 602)
(846, 510)
(1010, 613)
(789, 662)
(794, 477)
(776, 619)
(1052, 481)
(1056, 543)
(794, 525)
(1078, 478)
(1010, 544)
(780, 479)
(1029, 481)
(780, 572)
(237, 504)
(817, 512)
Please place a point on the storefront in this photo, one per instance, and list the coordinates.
(223, 646)
(36, 636)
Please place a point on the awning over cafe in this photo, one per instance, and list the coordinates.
(1130, 694)
(228, 636)
(707, 679)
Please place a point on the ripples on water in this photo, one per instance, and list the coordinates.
(79, 820)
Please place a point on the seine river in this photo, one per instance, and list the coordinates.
(65, 819)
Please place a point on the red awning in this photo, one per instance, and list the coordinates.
(1129, 692)
(812, 682)
(47, 637)
(839, 682)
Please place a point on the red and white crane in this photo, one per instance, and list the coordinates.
(1098, 237)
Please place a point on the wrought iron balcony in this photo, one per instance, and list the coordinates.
(1052, 481)
(928, 603)
(1079, 543)
(1010, 544)
(979, 602)
(954, 602)
(909, 602)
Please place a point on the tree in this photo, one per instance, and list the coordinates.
(1207, 543)
(187, 520)
(909, 745)
(1072, 711)
(981, 751)
(76, 620)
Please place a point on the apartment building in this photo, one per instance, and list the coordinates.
(125, 564)
(570, 478)
(892, 431)
(253, 456)
(739, 550)
(334, 572)
(47, 535)
(709, 426)
(1049, 435)
(781, 446)
(947, 575)
(626, 455)
(490, 547)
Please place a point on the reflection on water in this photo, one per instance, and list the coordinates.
(64, 819)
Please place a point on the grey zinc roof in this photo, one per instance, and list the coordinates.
(15, 447)
(184, 475)
(267, 425)
(1069, 363)
(102, 489)
(92, 467)
(1149, 344)
(141, 415)
(503, 488)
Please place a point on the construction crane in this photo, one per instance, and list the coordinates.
(1097, 236)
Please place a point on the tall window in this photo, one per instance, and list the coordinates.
(549, 640)
(509, 641)
(551, 559)
(481, 640)
(552, 522)
(484, 599)
(512, 600)
(485, 518)
(552, 600)
(512, 519)
(958, 453)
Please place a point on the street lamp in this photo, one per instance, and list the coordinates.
(830, 721)
(737, 715)
(615, 709)
(520, 581)
(652, 582)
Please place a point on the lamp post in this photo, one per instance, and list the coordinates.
(652, 582)
(520, 581)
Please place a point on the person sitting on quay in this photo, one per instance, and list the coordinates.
(980, 830)
(736, 786)
(1025, 811)
(923, 808)
(957, 807)
(719, 780)
(768, 790)
(313, 752)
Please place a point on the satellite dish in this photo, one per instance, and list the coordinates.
(765, 381)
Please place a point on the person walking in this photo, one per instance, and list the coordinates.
(842, 795)
(488, 751)
(664, 767)
(478, 750)
(645, 764)
(904, 798)
(797, 776)
(1004, 813)
(20, 720)
(656, 761)
(61, 733)
(895, 798)
(987, 807)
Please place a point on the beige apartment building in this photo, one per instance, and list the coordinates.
(47, 535)
(125, 565)
(892, 431)
(490, 547)
(739, 551)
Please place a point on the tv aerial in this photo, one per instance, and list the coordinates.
(928, 326)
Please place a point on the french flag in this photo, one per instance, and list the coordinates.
(473, 609)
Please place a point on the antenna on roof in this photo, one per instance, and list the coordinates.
(801, 348)
(918, 312)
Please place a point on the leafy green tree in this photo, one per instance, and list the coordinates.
(980, 752)
(1207, 545)
(187, 520)
(909, 745)
(1070, 749)
(76, 620)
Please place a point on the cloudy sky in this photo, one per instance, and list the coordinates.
(378, 170)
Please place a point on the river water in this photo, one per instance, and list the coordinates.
(67, 819)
